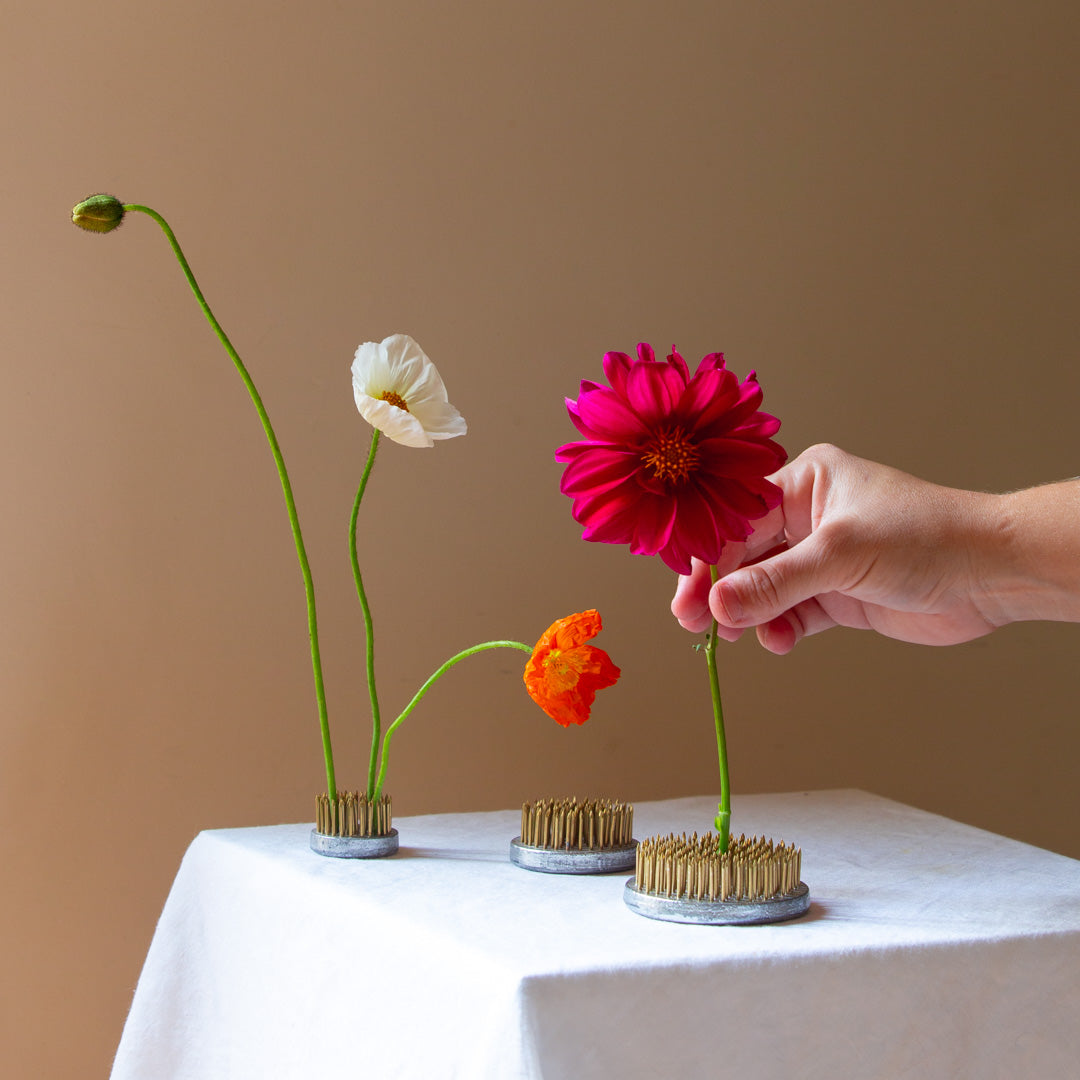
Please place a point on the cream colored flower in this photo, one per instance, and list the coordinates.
(398, 390)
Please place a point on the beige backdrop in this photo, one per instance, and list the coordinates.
(874, 205)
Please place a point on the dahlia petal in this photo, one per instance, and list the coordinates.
(675, 358)
(675, 556)
(575, 419)
(708, 397)
(598, 470)
(747, 404)
(645, 352)
(731, 456)
(742, 498)
(574, 450)
(651, 483)
(653, 391)
(587, 387)
(616, 367)
(727, 409)
(772, 494)
(611, 531)
(714, 361)
(759, 426)
(607, 518)
(739, 420)
(652, 529)
(729, 526)
(603, 411)
(696, 530)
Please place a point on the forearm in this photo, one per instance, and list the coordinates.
(1033, 569)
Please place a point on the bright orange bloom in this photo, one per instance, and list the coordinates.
(563, 673)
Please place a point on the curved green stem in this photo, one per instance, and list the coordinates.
(427, 686)
(369, 628)
(723, 818)
(286, 487)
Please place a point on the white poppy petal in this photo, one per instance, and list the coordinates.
(371, 369)
(415, 376)
(440, 419)
(397, 365)
(395, 423)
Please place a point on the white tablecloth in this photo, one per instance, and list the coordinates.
(931, 949)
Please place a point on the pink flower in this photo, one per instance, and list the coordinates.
(672, 464)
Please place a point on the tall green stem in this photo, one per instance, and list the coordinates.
(369, 628)
(723, 818)
(427, 686)
(286, 487)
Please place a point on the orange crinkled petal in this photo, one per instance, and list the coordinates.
(564, 673)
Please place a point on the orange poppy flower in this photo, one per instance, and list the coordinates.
(564, 673)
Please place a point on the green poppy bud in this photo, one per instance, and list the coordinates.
(98, 213)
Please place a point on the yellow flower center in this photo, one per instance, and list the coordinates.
(395, 399)
(561, 671)
(671, 455)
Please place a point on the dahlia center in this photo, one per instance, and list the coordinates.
(671, 455)
(395, 399)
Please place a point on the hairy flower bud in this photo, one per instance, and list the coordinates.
(98, 213)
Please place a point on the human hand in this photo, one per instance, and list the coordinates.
(860, 545)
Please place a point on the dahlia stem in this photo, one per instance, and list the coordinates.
(432, 679)
(369, 628)
(723, 818)
(286, 487)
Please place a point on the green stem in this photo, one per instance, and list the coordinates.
(369, 628)
(286, 487)
(427, 686)
(723, 818)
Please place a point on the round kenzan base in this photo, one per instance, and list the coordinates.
(610, 860)
(352, 826)
(575, 836)
(689, 880)
(354, 847)
(718, 912)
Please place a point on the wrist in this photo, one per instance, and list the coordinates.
(1032, 568)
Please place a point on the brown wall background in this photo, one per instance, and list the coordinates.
(874, 205)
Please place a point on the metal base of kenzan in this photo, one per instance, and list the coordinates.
(608, 860)
(354, 847)
(718, 912)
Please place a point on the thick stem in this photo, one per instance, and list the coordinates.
(286, 487)
(723, 818)
(369, 627)
(427, 686)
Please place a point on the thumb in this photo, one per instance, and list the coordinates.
(756, 594)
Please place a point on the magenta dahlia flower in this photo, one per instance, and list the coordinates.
(672, 464)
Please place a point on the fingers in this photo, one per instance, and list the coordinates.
(782, 634)
(769, 532)
(779, 636)
(776, 587)
(690, 605)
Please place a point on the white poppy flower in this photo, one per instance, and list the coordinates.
(398, 390)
